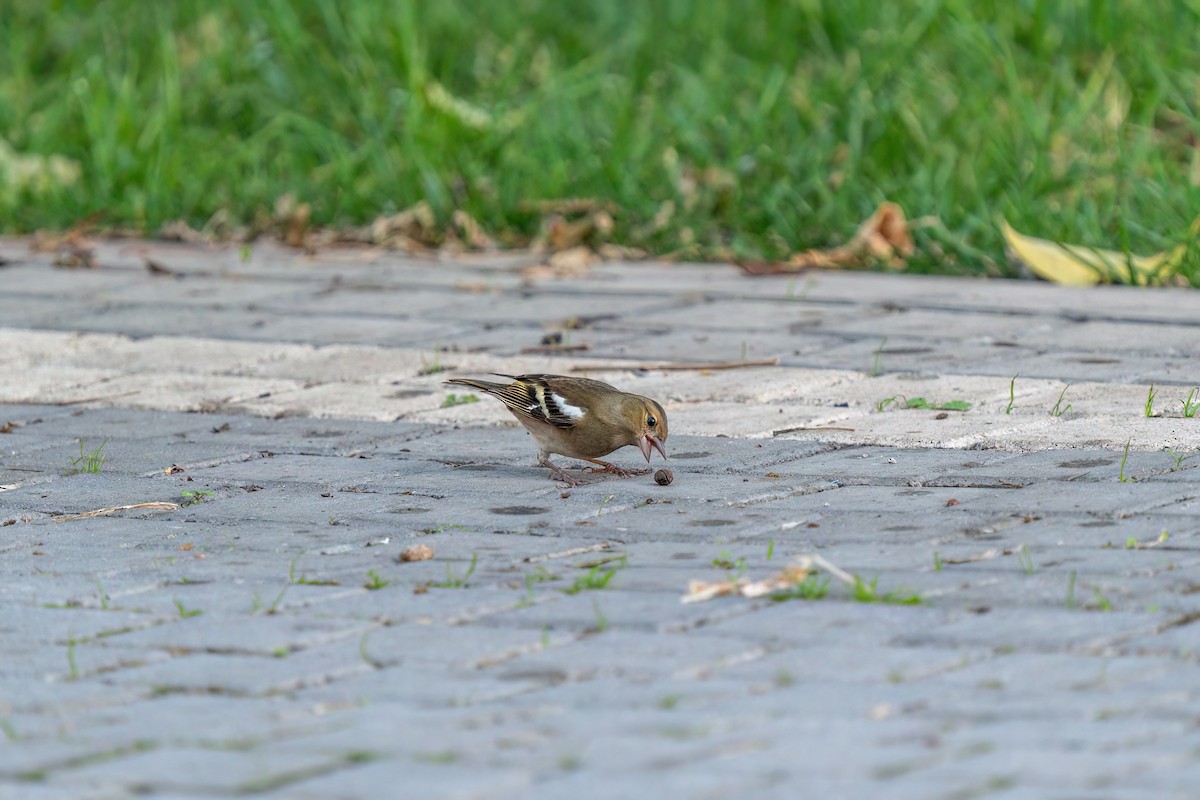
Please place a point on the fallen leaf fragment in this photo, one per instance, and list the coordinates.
(789, 577)
(699, 591)
(414, 229)
(573, 263)
(617, 252)
(1075, 265)
(473, 233)
(71, 249)
(883, 238)
(293, 220)
(179, 231)
(104, 512)
(174, 469)
(417, 552)
(157, 268)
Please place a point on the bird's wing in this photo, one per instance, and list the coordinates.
(531, 397)
(553, 399)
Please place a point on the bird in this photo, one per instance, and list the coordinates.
(579, 418)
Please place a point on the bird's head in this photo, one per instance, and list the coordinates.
(648, 420)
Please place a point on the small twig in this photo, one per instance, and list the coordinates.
(984, 556)
(814, 560)
(82, 400)
(812, 428)
(103, 512)
(761, 362)
(574, 551)
(556, 348)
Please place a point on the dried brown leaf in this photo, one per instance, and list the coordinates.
(179, 231)
(157, 268)
(699, 591)
(574, 263)
(884, 237)
(413, 230)
(473, 234)
(293, 220)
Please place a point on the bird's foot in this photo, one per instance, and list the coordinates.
(620, 472)
(557, 473)
(561, 475)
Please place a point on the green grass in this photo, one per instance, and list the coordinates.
(453, 400)
(603, 502)
(921, 402)
(736, 567)
(184, 611)
(601, 619)
(1058, 410)
(877, 361)
(458, 581)
(867, 592)
(374, 581)
(594, 580)
(539, 575)
(91, 462)
(813, 587)
(1025, 560)
(72, 663)
(1189, 406)
(302, 579)
(192, 497)
(712, 132)
(1100, 602)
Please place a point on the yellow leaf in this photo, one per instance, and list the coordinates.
(1075, 265)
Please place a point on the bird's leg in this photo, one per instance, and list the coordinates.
(620, 472)
(557, 473)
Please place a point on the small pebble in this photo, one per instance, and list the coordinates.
(663, 477)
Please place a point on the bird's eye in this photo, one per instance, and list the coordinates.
(651, 421)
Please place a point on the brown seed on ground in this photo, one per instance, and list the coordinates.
(663, 477)
(418, 552)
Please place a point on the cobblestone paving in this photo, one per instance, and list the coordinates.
(1033, 633)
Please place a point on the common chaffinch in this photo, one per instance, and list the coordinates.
(579, 418)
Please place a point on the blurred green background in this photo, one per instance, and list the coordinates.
(716, 129)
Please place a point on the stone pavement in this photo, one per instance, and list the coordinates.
(1034, 633)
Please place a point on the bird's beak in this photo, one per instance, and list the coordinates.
(646, 442)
